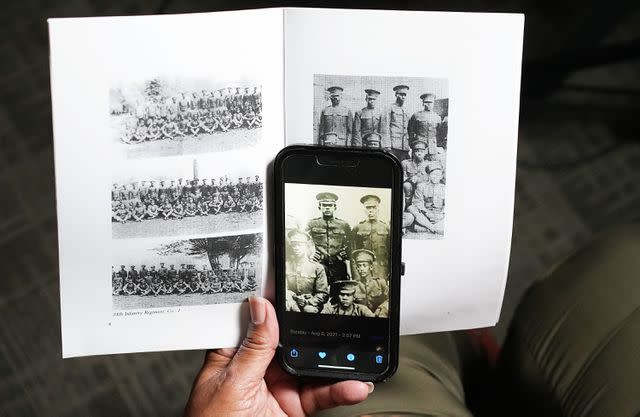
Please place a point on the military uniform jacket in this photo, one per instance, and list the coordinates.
(354, 310)
(398, 118)
(415, 172)
(338, 120)
(367, 121)
(373, 236)
(372, 292)
(330, 235)
(424, 125)
(307, 277)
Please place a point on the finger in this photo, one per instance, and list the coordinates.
(319, 397)
(259, 345)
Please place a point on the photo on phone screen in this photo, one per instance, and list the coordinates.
(337, 249)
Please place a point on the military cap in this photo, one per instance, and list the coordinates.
(418, 144)
(122, 266)
(161, 263)
(298, 232)
(182, 264)
(330, 197)
(141, 265)
(133, 266)
(433, 166)
(372, 138)
(171, 265)
(153, 267)
(428, 95)
(371, 92)
(369, 197)
(363, 255)
(348, 286)
(335, 90)
(401, 88)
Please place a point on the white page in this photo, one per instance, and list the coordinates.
(455, 280)
(94, 60)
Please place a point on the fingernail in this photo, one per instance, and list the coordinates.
(371, 386)
(257, 309)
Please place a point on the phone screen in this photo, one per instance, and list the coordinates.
(338, 264)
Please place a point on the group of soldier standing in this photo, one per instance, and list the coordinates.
(186, 280)
(194, 114)
(333, 268)
(176, 201)
(418, 140)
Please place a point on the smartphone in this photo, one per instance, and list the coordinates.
(338, 214)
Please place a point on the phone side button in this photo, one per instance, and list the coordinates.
(402, 268)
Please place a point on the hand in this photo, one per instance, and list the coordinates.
(246, 382)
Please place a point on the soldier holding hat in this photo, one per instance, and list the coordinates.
(425, 124)
(332, 238)
(345, 306)
(335, 121)
(373, 234)
(367, 120)
(398, 122)
(372, 290)
(306, 279)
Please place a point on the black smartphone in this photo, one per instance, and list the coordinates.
(337, 237)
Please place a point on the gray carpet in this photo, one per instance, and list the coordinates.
(578, 174)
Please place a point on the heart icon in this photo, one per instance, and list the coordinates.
(322, 355)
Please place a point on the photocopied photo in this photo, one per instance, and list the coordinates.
(407, 116)
(183, 116)
(337, 249)
(154, 273)
(185, 196)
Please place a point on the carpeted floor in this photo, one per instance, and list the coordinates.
(579, 172)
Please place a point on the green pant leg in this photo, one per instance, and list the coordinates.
(427, 382)
(573, 348)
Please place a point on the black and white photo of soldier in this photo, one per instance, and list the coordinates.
(183, 197)
(407, 116)
(337, 249)
(159, 273)
(162, 118)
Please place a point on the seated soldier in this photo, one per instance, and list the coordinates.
(140, 132)
(371, 290)
(414, 169)
(122, 214)
(156, 285)
(346, 305)
(170, 129)
(228, 205)
(116, 282)
(152, 210)
(138, 212)
(250, 118)
(167, 209)
(237, 120)
(307, 279)
(183, 125)
(210, 123)
(253, 203)
(225, 121)
(129, 287)
(202, 208)
(427, 204)
(181, 285)
(194, 124)
(142, 287)
(190, 208)
(242, 204)
(178, 209)
(215, 286)
(153, 130)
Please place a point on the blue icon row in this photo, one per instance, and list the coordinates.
(294, 353)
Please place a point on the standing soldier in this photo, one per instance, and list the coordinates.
(373, 234)
(152, 191)
(367, 120)
(398, 122)
(332, 238)
(424, 124)
(306, 279)
(335, 121)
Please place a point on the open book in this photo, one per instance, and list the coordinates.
(164, 127)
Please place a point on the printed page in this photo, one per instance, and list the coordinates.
(163, 128)
(441, 92)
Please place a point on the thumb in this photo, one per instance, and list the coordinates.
(259, 345)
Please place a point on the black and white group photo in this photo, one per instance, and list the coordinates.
(169, 272)
(163, 118)
(182, 196)
(406, 116)
(337, 249)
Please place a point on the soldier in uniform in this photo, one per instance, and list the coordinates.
(345, 306)
(172, 279)
(143, 272)
(427, 204)
(368, 120)
(138, 212)
(336, 121)
(306, 279)
(373, 234)
(414, 169)
(152, 210)
(332, 239)
(133, 274)
(372, 290)
(398, 122)
(372, 140)
(424, 124)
